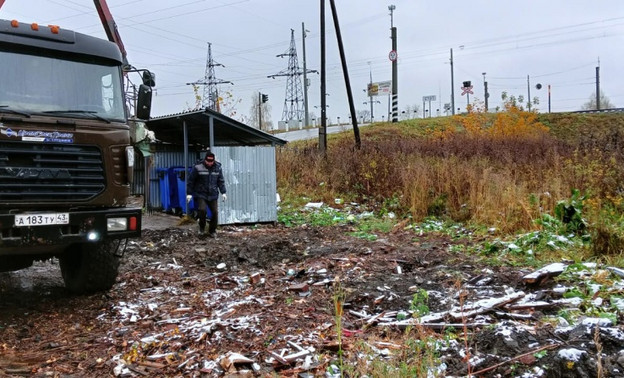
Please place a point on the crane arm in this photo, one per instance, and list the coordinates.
(110, 27)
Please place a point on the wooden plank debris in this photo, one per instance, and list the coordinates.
(617, 271)
(483, 306)
(231, 359)
(531, 305)
(299, 288)
(544, 273)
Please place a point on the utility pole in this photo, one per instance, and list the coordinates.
(345, 73)
(393, 58)
(452, 86)
(528, 93)
(598, 88)
(548, 98)
(306, 120)
(259, 110)
(485, 92)
(323, 128)
(370, 93)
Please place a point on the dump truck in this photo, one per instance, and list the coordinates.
(66, 155)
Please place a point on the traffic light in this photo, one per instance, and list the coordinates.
(265, 98)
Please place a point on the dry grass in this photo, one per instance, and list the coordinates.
(501, 169)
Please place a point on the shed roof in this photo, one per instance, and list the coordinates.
(226, 131)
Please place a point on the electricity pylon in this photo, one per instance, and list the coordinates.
(210, 96)
(293, 102)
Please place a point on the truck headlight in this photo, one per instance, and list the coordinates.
(130, 156)
(117, 224)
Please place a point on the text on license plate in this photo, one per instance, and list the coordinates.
(43, 219)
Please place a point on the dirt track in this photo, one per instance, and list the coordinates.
(260, 300)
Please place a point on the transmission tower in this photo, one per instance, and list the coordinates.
(293, 103)
(210, 96)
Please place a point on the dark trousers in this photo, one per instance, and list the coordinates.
(202, 205)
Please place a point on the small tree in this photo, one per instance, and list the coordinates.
(198, 99)
(363, 115)
(605, 103)
(411, 111)
(518, 102)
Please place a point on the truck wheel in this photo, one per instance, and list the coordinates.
(91, 267)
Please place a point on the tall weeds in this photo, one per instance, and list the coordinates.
(502, 169)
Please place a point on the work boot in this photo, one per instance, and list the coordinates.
(202, 231)
(213, 235)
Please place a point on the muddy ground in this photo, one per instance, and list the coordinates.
(261, 301)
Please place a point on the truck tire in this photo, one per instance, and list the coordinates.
(91, 267)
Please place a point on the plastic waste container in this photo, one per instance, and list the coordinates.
(180, 176)
(164, 188)
(173, 189)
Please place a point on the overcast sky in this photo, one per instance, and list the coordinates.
(556, 42)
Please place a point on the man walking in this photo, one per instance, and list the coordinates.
(204, 184)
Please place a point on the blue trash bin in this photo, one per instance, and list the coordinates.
(180, 175)
(164, 188)
(176, 205)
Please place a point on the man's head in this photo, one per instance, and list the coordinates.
(209, 159)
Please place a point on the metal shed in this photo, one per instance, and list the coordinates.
(247, 156)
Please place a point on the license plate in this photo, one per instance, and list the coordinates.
(42, 219)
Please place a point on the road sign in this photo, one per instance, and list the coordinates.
(429, 98)
(392, 55)
(466, 90)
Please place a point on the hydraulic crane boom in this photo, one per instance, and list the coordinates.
(110, 27)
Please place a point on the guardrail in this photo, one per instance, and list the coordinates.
(612, 110)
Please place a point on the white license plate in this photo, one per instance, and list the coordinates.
(42, 219)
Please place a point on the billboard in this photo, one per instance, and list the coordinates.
(376, 89)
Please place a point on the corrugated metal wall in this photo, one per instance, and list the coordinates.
(250, 179)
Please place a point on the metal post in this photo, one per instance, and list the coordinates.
(485, 92)
(452, 86)
(259, 110)
(528, 93)
(370, 94)
(185, 136)
(345, 72)
(548, 98)
(305, 79)
(597, 88)
(395, 80)
(323, 128)
(211, 132)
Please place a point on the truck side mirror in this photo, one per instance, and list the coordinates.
(149, 78)
(144, 102)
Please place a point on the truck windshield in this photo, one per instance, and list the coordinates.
(39, 84)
